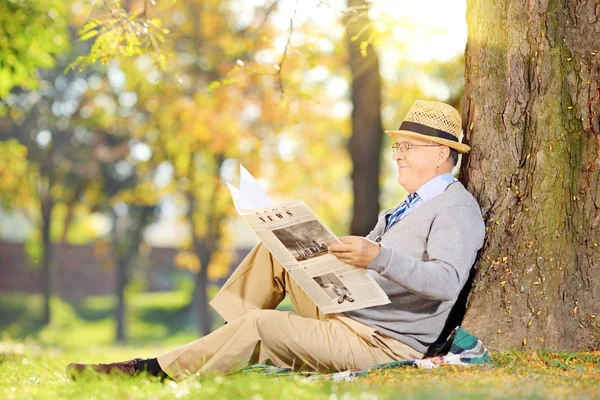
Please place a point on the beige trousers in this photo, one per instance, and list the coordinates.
(256, 333)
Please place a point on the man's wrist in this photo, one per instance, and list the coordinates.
(375, 252)
(378, 247)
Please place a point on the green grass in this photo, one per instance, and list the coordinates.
(33, 360)
(28, 370)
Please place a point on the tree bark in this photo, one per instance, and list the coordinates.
(531, 114)
(367, 133)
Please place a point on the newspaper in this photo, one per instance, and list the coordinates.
(298, 240)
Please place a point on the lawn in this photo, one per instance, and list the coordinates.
(32, 362)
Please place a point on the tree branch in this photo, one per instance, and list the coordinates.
(285, 50)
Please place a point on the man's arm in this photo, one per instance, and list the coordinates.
(355, 250)
(454, 239)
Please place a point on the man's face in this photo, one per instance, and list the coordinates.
(418, 164)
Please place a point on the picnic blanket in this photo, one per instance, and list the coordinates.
(461, 348)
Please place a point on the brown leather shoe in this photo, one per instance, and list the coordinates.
(123, 368)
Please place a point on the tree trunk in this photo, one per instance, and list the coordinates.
(205, 246)
(199, 314)
(126, 247)
(531, 114)
(199, 304)
(120, 277)
(46, 205)
(121, 284)
(367, 133)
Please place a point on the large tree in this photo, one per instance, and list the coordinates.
(531, 113)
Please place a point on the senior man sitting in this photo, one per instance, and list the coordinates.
(420, 253)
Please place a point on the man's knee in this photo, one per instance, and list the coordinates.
(263, 317)
(269, 324)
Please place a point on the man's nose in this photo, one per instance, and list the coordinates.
(398, 155)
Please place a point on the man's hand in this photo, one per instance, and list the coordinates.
(355, 250)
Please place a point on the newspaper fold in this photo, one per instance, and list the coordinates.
(298, 240)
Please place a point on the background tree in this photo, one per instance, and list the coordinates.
(59, 157)
(367, 131)
(126, 237)
(531, 113)
(124, 188)
(201, 129)
(223, 100)
(79, 159)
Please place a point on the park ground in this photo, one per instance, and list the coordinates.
(33, 360)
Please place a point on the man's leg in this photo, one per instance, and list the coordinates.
(311, 339)
(279, 338)
(256, 334)
(260, 283)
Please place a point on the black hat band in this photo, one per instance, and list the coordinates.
(426, 130)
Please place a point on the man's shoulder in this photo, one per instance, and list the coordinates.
(456, 195)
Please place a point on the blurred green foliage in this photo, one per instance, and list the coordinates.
(16, 172)
(32, 33)
(123, 35)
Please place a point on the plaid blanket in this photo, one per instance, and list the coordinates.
(461, 348)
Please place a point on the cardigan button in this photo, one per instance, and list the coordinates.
(378, 240)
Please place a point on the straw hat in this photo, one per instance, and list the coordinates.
(435, 121)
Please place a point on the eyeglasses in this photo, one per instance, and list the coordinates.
(405, 146)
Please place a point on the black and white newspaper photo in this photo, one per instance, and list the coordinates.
(334, 287)
(305, 240)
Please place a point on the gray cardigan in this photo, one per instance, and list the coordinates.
(422, 266)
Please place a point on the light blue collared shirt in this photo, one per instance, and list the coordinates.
(429, 190)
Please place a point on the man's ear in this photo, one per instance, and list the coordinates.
(443, 155)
